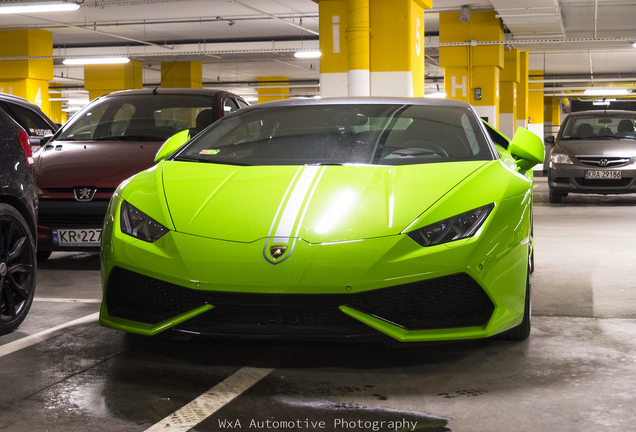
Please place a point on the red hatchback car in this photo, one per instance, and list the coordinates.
(112, 138)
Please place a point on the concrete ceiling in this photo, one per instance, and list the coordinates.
(239, 41)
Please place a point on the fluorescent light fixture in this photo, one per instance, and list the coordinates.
(31, 7)
(72, 109)
(603, 101)
(77, 102)
(251, 98)
(436, 95)
(307, 54)
(634, 44)
(605, 91)
(96, 60)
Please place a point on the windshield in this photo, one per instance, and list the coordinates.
(601, 125)
(379, 134)
(140, 117)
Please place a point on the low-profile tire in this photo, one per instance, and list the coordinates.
(43, 255)
(555, 197)
(522, 331)
(17, 269)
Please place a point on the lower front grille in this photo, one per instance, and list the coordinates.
(603, 183)
(71, 220)
(446, 302)
(136, 297)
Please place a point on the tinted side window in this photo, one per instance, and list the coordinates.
(241, 103)
(229, 106)
(35, 125)
(496, 136)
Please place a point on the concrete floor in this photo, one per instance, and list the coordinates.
(576, 372)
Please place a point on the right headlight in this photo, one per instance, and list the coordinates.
(455, 228)
(137, 224)
(560, 158)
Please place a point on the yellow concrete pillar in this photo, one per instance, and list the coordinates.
(103, 79)
(333, 47)
(397, 47)
(182, 74)
(522, 91)
(27, 78)
(535, 104)
(358, 78)
(508, 86)
(273, 88)
(55, 112)
(552, 119)
(471, 73)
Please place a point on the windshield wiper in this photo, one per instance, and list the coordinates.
(130, 138)
(189, 159)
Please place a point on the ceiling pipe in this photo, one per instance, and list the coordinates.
(102, 33)
(595, 16)
(581, 80)
(273, 16)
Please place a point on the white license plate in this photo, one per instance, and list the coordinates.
(602, 175)
(77, 237)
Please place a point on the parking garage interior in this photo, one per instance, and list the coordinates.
(518, 63)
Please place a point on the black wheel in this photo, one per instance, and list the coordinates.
(522, 331)
(17, 269)
(555, 197)
(43, 255)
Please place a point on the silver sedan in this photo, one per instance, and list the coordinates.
(594, 153)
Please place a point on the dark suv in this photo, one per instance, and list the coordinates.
(18, 210)
(30, 117)
(109, 140)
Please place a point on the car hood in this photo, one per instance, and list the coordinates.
(315, 203)
(104, 164)
(609, 148)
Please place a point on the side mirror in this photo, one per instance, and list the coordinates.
(527, 148)
(172, 144)
(549, 140)
(45, 139)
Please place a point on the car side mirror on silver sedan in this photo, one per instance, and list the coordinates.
(527, 149)
(172, 144)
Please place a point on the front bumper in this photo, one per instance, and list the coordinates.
(472, 288)
(571, 179)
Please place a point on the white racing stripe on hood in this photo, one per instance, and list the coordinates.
(294, 212)
(292, 209)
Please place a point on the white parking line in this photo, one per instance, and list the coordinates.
(65, 300)
(25, 342)
(212, 400)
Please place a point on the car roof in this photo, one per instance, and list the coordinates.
(18, 100)
(178, 91)
(365, 100)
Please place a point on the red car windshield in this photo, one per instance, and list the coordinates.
(378, 134)
(140, 118)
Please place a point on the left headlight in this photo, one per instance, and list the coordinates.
(454, 228)
(136, 223)
(560, 158)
